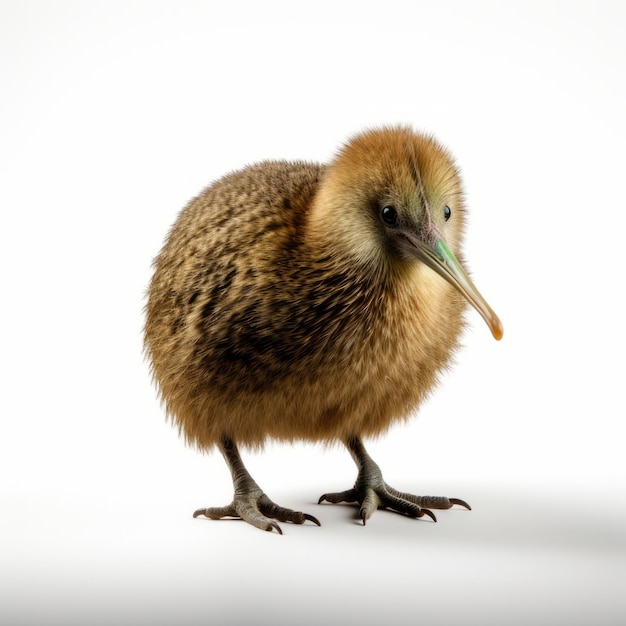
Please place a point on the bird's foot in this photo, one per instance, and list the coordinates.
(371, 492)
(257, 509)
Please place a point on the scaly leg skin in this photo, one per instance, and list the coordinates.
(250, 503)
(372, 492)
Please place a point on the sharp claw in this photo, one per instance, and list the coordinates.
(363, 514)
(429, 513)
(312, 519)
(460, 503)
(322, 498)
(199, 512)
(274, 526)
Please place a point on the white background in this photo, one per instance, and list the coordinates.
(114, 114)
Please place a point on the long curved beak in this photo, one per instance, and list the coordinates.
(441, 260)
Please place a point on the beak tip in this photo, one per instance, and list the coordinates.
(496, 329)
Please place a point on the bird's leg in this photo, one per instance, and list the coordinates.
(372, 492)
(250, 503)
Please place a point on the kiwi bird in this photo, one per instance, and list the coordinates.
(298, 301)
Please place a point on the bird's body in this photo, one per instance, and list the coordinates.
(283, 306)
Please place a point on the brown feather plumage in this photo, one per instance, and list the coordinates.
(277, 310)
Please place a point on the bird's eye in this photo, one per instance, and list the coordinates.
(389, 215)
(447, 213)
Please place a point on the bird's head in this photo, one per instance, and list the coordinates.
(394, 197)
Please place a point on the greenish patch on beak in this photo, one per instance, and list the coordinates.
(441, 260)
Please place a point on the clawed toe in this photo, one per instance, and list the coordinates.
(282, 514)
(311, 518)
(460, 503)
(350, 495)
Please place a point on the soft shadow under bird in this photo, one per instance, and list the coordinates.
(298, 301)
